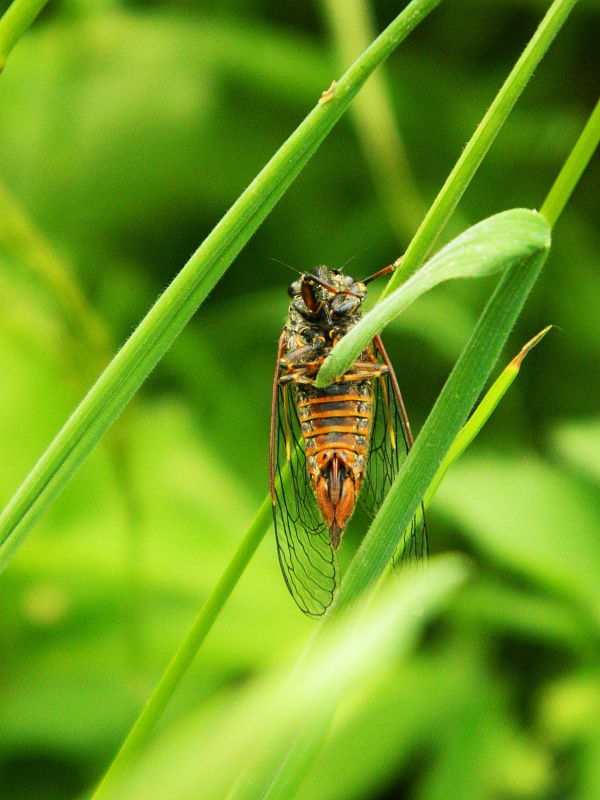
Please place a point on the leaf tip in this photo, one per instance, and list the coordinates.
(519, 358)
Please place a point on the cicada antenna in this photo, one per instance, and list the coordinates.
(351, 259)
(283, 263)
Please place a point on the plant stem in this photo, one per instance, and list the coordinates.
(14, 22)
(478, 145)
(578, 159)
(461, 389)
(156, 703)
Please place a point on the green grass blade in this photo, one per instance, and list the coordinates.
(14, 22)
(283, 770)
(573, 167)
(482, 413)
(441, 427)
(169, 315)
(478, 145)
(140, 733)
(488, 247)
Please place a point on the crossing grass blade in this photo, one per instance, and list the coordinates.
(441, 427)
(251, 726)
(484, 249)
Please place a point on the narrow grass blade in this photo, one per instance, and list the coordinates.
(171, 312)
(281, 773)
(14, 22)
(488, 247)
(144, 725)
(573, 167)
(483, 412)
(441, 427)
(453, 405)
(482, 139)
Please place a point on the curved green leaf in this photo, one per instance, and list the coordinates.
(488, 247)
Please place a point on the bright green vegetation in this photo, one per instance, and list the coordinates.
(126, 134)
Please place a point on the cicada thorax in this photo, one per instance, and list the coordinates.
(336, 427)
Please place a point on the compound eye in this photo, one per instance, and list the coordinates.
(348, 280)
(344, 304)
(293, 288)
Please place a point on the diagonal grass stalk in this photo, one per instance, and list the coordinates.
(171, 312)
(484, 410)
(248, 727)
(462, 387)
(433, 442)
(14, 22)
(462, 173)
(441, 427)
(186, 652)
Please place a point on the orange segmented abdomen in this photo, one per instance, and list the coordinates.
(336, 426)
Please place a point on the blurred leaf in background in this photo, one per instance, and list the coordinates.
(127, 130)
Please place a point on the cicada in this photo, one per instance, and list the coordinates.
(341, 444)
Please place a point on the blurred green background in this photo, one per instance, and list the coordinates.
(127, 130)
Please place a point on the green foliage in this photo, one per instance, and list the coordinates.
(126, 132)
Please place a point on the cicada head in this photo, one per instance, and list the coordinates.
(326, 292)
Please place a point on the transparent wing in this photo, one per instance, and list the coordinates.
(389, 445)
(307, 559)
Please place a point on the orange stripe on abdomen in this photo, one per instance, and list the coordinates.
(329, 398)
(335, 417)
